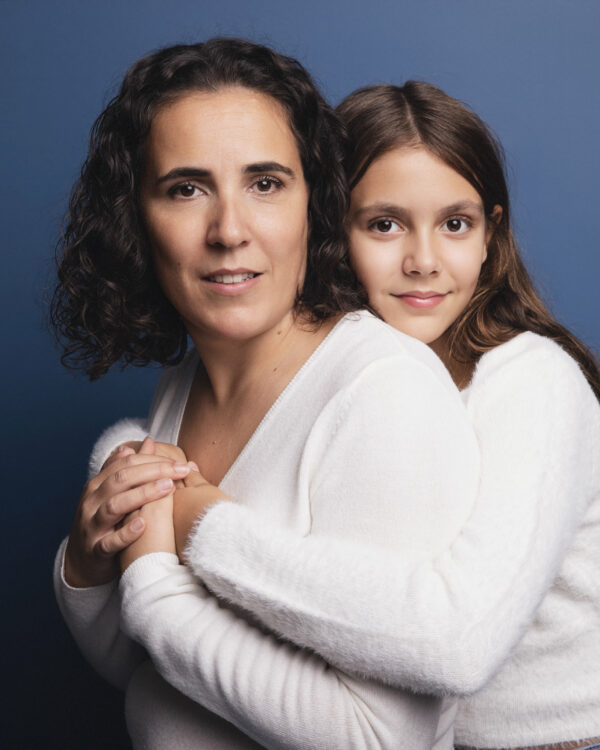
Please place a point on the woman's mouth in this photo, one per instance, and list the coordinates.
(231, 281)
(230, 278)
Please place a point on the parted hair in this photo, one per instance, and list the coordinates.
(384, 117)
(107, 306)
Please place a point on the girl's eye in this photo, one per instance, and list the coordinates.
(457, 225)
(384, 226)
(267, 185)
(187, 190)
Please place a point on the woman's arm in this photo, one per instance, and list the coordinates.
(86, 566)
(275, 692)
(93, 618)
(448, 622)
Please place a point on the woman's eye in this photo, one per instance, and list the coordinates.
(384, 226)
(267, 185)
(457, 225)
(186, 190)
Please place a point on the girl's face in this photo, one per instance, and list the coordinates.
(418, 238)
(225, 203)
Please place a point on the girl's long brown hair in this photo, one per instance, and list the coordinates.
(505, 303)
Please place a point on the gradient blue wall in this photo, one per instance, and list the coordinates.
(529, 67)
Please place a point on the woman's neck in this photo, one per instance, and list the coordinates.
(235, 367)
(237, 386)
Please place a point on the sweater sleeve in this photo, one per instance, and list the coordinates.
(277, 693)
(92, 615)
(445, 623)
(123, 431)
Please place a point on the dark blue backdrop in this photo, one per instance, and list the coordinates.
(529, 67)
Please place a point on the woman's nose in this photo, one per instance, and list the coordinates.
(421, 258)
(227, 226)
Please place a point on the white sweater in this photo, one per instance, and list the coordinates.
(510, 608)
(367, 449)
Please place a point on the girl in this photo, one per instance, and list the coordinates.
(509, 611)
(212, 205)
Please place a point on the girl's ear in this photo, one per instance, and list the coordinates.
(492, 222)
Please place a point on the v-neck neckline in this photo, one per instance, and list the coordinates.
(192, 369)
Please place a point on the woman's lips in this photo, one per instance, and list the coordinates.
(421, 300)
(231, 282)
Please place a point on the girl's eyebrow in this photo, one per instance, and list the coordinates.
(404, 214)
(460, 206)
(382, 208)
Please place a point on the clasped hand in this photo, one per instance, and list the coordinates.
(145, 499)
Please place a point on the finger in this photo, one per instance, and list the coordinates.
(109, 514)
(125, 463)
(120, 452)
(195, 479)
(147, 446)
(174, 452)
(131, 488)
(116, 541)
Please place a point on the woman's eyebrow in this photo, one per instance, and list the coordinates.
(267, 166)
(180, 172)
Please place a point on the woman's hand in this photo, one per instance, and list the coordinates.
(190, 503)
(127, 482)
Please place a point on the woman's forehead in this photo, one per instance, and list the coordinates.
(235, 120)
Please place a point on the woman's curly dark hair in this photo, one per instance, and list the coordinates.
(108, 306)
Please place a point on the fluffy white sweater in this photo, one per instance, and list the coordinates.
(510, 608)
(367, 449)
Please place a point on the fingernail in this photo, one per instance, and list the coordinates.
(193, 465)
(137, 524)
(164, 484)
(181, 468)
(121, 448)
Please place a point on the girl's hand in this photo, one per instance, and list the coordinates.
(159, 535)
(190, 503)
(125, 484)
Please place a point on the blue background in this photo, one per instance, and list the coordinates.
(529, 67)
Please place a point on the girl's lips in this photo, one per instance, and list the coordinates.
(420, 301)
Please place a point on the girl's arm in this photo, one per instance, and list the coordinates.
(277, 693)
(447, 622)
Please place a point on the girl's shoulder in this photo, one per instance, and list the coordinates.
(529, 364)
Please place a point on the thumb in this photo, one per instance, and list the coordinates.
(194, 478)
(147, 447)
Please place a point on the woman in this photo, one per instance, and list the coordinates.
(212, 205)
(511, 608)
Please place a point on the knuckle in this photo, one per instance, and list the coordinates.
(112, 506)
(91, 486)
(120, 476)
(102, 548)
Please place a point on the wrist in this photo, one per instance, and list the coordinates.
(79, 575)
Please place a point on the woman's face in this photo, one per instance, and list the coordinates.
(417, 241)
(224, 203)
